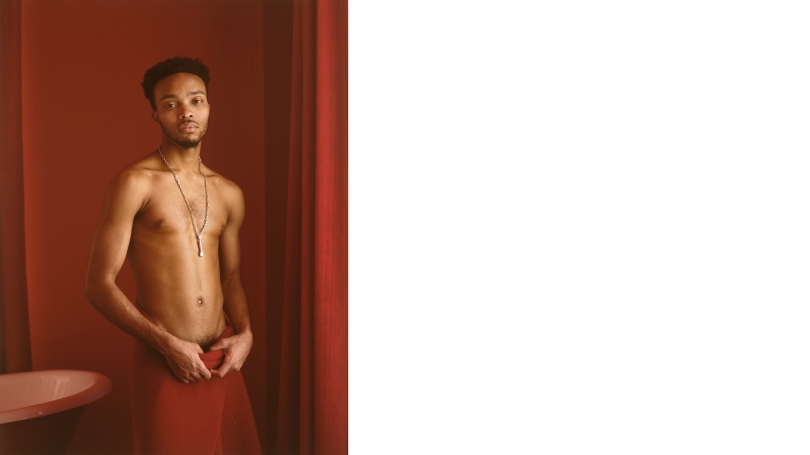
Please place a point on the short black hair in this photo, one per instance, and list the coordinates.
(171, 66)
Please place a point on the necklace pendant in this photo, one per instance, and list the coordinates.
(199, 244)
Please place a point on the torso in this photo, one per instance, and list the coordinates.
(179, 290)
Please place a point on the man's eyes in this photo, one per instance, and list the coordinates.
(171, 105)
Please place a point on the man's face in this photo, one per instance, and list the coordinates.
(182, 109)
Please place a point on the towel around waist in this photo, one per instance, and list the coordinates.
(213, 359)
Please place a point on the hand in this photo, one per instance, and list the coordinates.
(184, 359)
(236, 350)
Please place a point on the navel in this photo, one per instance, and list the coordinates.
(200, 301)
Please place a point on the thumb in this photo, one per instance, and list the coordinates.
(198, 349)
(223, 369)
(221, 344)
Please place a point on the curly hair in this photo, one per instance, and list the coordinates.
(168, 67)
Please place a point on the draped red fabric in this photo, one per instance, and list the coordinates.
(306, 45)
(15, 344)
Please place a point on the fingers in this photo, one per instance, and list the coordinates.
(196, 375)
(223, 369)
(205, 372)
(223, 344)
(235, 353)
(228, 365)
(190, 369)
(200, 371)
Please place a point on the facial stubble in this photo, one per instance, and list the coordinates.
(185, 143)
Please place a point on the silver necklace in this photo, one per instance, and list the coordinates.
(205, 179)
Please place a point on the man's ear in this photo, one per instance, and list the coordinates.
(154, 116)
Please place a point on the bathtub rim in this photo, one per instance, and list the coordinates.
(100, 387)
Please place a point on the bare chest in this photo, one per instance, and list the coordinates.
(168, 211)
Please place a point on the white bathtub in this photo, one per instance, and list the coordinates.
(39, 410)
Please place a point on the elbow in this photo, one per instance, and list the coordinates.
(228, 280)
(89, 288)
(98, 287)
(91, 294)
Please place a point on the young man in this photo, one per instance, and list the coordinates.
(177, 222)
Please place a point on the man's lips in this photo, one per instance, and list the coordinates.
(188, 127)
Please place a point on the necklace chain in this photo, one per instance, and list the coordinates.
(193, 223)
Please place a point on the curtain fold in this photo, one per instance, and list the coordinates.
(306, 44)
(15, 344)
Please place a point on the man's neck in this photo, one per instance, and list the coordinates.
(181, 159)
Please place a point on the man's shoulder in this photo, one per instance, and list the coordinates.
(228, 187)
(147, 165)
(138, 175)
(229, 192)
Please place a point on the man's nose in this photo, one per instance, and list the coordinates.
(186, 114)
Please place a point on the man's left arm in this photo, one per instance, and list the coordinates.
(237, 346)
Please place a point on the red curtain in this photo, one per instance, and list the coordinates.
(306, 66)
(15, 345)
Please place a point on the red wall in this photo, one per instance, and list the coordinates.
(85, 117)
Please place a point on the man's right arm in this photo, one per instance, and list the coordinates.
(125, 197)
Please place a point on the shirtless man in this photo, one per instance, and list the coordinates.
(188, 286)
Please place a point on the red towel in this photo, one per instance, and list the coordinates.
(205, 417)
